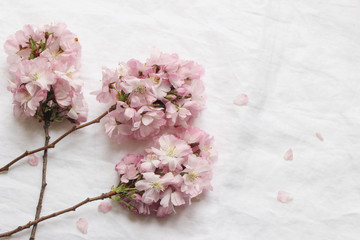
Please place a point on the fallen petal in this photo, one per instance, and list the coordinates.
(82, 225)
(33, 160)
(289, 155)
(104, 207)
(241, 100)
(284, 197)
(319, 136)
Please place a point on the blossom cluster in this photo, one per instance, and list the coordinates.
(165, 91)
(175, 169)
(43, 66)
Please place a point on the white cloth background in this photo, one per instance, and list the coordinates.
(298, 61)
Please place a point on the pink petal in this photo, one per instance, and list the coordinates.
(284, 197)
(33, 160)
(241, 100)
(289, 155)
(82, 225)
(319, 136)
(104, 207)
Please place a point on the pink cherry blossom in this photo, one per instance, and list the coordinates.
(172, 151)
(34, 73)
(79, 109)
(152, 185)
(147, 122)
(43, 66)
(127, 167)
(197, 176)
(159, 187)
(82, 225)
(241, 100)
(33, 160)
(104, 207)
(289, 155)
(284, 197)
(149, 163)
(139, 90)
(163, 92)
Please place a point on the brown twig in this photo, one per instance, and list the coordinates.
(73, 208)
(52, 145)
(43, 182)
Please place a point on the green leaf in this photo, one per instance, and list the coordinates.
(32, 44)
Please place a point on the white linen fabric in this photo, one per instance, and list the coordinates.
(298, 61)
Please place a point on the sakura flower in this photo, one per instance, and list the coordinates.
(63, 93)
(67, 72)
(119, 124)
(153, 185)
(191, 134)
(35, 73)
(104, 207)
(206, 147)
(160, 87)
(33, 160)
(79, 109)
(82, 225)
(127, 167)
(177, 115)
(172, 151)
(197, 176)
(26, 103)
(169, 199)
(108, 91)
(139, 90)
(149, 163)
(147, 122)
(44, 61)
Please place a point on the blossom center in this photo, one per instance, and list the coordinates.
(171, 151)
(35, 76)
(193, 176)
(140, 89)
(156, 185)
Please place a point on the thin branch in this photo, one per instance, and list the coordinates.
(43, 182)
(52, 145)
(73, 208)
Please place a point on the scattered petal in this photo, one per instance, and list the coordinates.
(289, 155)
(82, 225)
(241, 100)
(33, 160)
(284, 197)
(104, 207)
(319, 136)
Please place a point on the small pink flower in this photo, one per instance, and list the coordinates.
(153, 185)
(241, 100)
(319, 136)
(289, 155)
(284, 197)
(33, 160)
(104, 207)
(79, 109)
(82, 225)
(127, 167)
(172, 151)
(197, 176)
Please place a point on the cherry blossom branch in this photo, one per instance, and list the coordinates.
(43, 182)
(52, 145)
(73, 208)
